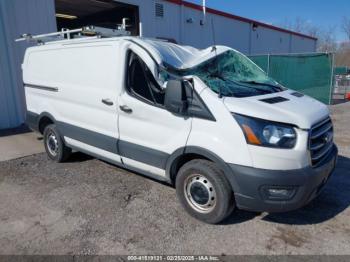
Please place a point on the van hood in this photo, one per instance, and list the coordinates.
(283, 107)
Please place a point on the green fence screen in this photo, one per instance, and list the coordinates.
(311, 74)
(262, 61)
(341, 70)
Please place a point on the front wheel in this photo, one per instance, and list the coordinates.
(204, 191)
(54, 144)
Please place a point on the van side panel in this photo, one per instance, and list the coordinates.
(70, 82)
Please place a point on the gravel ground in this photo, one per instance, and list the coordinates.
(87, 206)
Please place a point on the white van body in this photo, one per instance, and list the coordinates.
(80, 85)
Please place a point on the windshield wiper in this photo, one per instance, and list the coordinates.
(262, 91)
(275, 87)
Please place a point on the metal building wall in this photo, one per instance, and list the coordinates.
(228, 32)
(302, 45)
(170, 25)
(18, 17)
(268, 41)
(234, 33)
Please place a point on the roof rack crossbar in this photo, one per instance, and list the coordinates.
(87, 31)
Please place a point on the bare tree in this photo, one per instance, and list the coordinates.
(342, 57)
(326, 37)
(296, 25)
(300, 25)
(313, 31)
(327, 40)
(346, 26)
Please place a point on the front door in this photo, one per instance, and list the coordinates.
(149, 134)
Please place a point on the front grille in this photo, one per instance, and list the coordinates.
(321, 141)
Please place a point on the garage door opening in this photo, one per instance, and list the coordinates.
(104, 13)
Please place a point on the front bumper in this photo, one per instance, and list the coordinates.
(249, 185)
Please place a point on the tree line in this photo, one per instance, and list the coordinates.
(327, 41)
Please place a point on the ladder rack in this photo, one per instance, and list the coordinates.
(66, 34)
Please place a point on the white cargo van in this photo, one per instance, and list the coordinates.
(210, 122)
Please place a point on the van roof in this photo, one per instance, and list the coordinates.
(178, 56)
(165, 53)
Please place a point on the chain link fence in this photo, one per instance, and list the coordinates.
(341, 83)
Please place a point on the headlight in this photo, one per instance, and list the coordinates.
(266, 133)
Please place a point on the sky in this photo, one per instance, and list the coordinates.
(322, 13)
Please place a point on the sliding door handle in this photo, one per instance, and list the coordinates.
(126, 109)
(107, 101)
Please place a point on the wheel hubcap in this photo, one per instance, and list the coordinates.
(200, 193)
(52, 144)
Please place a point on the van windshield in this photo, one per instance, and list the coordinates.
(233, 74)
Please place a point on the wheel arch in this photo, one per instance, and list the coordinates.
(44, 120)
(186, 154)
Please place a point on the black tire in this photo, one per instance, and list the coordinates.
(54, 144)
(207, 175)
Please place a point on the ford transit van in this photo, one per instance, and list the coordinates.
(210, 122)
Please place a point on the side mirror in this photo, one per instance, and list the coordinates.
(175, 100)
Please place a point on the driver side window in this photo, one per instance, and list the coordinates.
(141, 82)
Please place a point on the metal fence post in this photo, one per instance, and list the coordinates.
(331, 88)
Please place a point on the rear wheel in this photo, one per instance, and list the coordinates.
(54, 144)
(204, 191)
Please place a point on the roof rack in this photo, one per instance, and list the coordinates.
(66, 34)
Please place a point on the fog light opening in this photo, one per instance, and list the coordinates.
(280, 193)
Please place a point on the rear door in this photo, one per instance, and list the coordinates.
(149, 134)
